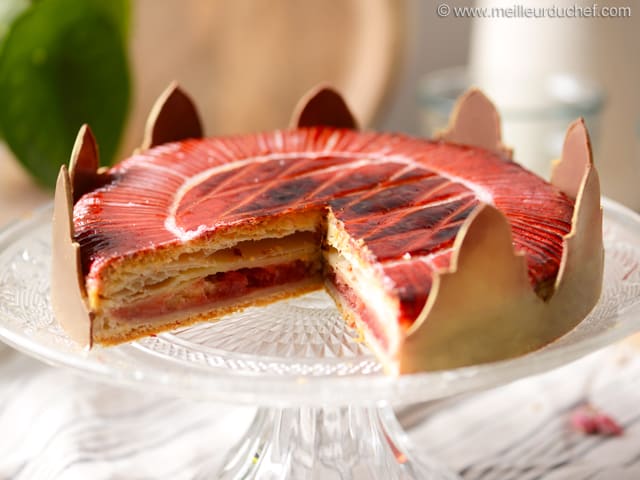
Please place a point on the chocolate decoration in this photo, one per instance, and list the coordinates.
(501, 316)
(575, 174)
(485, 325)
(576, 157)
(323, 106)
(68, 294)
(84, 173)
(173, 117)
(475, 122)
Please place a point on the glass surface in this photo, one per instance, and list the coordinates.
(292, 353)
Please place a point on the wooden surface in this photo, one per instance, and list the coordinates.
(247, 63)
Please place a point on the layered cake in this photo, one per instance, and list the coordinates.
(443, 252)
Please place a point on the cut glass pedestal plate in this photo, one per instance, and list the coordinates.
(324, 401)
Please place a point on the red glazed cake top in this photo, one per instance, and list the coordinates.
(405, 198)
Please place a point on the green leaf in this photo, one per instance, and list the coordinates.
(119, 11)
(64, 63)
(10, 10)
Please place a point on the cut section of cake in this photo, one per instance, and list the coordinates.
(197, 228)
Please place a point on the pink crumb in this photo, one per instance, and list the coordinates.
(590, 421)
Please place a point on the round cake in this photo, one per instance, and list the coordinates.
(197, 228)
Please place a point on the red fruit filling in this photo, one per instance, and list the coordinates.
(217, 287)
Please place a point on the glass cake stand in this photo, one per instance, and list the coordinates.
(324, 402)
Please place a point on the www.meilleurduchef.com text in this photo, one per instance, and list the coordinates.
(527, 11)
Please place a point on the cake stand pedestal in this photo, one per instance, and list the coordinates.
(324, 400)
(327, 444)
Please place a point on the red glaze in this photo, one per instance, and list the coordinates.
(403, 196)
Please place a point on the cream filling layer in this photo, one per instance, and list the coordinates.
(367, 285)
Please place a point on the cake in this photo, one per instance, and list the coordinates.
(443, 252)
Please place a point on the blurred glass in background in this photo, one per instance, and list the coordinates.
(535, 110)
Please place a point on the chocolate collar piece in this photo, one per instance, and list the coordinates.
(84, 165)
(323, 106)
(173, 117)
(568, 172)
(576, 175)
(84, 157)
(475, 122)
(68, 294)
(501, 316)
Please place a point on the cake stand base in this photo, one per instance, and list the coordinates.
(326, 444)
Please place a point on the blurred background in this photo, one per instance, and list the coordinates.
(400, 64)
